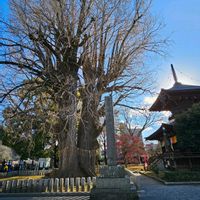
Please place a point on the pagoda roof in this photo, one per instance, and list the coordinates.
(177, 89)
(158, 134)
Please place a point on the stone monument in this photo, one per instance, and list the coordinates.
(112, 184)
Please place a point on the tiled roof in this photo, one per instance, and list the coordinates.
(181, 87)
(178, 88)
(157, 135)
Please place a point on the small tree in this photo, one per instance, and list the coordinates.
(187, 129)
(27, 127)
(129, 148)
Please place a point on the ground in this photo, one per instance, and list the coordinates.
(150, 189)
(21, 178)
(47, 198)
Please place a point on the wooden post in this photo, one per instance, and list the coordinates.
(61, 185)
(8, 186)
(71, 184)
(34, 186)
(77, 184)
(83, 184)
(23, 186)
(12, 186)
(66, 184)
(93, 181)
(40, 185)
(4, 186)
(88, 183)
(51, 185)
(56, 185)
(18, 186)
(30, 189)
(26, 184)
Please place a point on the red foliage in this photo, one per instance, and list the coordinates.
(129, 148)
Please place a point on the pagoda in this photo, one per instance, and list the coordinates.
(177, 99)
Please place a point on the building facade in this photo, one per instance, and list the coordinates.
(177, 99)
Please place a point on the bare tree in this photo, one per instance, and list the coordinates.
(135, 121)
(77, 51)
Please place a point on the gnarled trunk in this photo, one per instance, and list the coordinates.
(68, 154)
(67, 132)
(87, 140)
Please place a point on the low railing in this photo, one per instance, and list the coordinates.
(25, 173)
(48, 185)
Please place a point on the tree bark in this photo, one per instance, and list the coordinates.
(87, 141)
(68, 154)
(67, 131)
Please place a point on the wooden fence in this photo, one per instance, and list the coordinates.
(25, 173)
(48, 185)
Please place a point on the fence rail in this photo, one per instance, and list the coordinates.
(25, 173)
(48, 185)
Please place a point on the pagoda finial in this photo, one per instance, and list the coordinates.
(174, 74)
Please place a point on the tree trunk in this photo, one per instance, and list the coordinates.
(68, 153)
(67, 132)
(87, 141)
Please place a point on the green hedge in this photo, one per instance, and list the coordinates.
(181, 176)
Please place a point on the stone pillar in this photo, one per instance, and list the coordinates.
(110, 132)
(112, 183)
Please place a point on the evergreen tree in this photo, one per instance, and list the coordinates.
(187, 129)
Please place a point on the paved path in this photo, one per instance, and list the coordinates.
(149, 189)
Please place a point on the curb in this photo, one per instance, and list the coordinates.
(130, 173)
(172, 183)
(153, 177)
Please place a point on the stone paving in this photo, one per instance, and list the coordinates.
(150, 189)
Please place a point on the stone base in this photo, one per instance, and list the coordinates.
(116, 183)
(113, 189)
(112, 194)
(112, 171)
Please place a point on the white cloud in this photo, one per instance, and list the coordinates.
(159, 123)
(133, 113)
(150, 100)
(137, 126)
(148, 129)
(138, 113)
(166, 113)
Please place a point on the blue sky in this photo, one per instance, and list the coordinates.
(181, 19)
(4, 6)
(182, 24)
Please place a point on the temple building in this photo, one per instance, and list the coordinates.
(177, 99)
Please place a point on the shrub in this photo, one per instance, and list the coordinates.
(182, 176)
